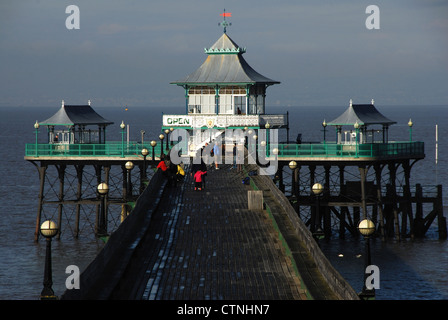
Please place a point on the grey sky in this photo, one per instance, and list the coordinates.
(127, 52)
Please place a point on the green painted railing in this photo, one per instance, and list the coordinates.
(365, 150)
(109, 149)
(118, 149)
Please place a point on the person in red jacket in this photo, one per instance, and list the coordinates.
(198, 179)
(162, 165)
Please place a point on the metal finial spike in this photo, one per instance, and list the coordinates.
(225, 24)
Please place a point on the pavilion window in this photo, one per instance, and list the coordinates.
(201, 103)
(225, 104)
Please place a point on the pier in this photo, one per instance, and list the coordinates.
(183, 244)
(233, 240)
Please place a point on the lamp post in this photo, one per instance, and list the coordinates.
(171, 130)
(129, 166)
(143, 176)
(167, 132)
(153, 145)
(317, 191)
(145, 152)
(366, 227)
(143, 134)
(122, 126)
(103, 190)
(36, 126)
(410, 124)
(48, 229)
(356, 125)
(293, 166)
(267, 126)
(255, 137)
(295, 191)
(324, 124)
(263, 150)
(161, 137)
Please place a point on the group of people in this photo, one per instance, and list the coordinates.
(199, 171)
(176, 173)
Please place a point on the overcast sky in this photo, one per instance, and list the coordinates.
(128, 52)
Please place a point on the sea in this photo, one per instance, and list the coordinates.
(409, 269)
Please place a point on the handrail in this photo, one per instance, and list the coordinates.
(109, 149)
(365, 150)
(323, 150)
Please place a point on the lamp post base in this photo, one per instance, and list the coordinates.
(367, 294)
(49, 297)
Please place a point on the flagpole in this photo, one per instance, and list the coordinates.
(437, 149)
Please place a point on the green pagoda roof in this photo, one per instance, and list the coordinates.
(225, 65)
(70, 115)
(363, 114)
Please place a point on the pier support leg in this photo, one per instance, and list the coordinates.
(363, 172)
(379, 197)
(281, 184)
(440, 218)
(408, 203)
(61, 174)
(314, 208)
(297, 178)
(418, 220)
(393, 193)
(126, 186)
(98, 206)
(342, 215)
(42, 172)
(79, 174)
(327, 213)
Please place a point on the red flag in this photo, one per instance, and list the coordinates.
(226, 14)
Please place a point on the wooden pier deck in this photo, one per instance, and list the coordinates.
(207, 245)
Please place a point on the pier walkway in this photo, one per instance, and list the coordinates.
(207, 245)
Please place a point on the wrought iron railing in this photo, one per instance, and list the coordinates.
(117, 149)
(109, 149)
(365, 150)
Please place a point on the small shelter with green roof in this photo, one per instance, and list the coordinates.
(359, 117)
(76, 119)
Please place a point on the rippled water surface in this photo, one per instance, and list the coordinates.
(409, 269)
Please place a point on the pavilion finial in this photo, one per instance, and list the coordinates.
(373, 102)
(351, 102)
(62, 103)
(224, 23)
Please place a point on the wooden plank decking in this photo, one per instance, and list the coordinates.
(208, 245)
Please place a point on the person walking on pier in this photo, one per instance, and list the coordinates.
(216, 153)
(198, 179)
(162, 165)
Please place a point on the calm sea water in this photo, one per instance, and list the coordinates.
(409, 269)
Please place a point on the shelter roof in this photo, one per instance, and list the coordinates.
(69, 115)
(363, 114)
(225, 65)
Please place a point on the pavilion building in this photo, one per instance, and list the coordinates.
(71, 124)
(225, 92)
(361, 117)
